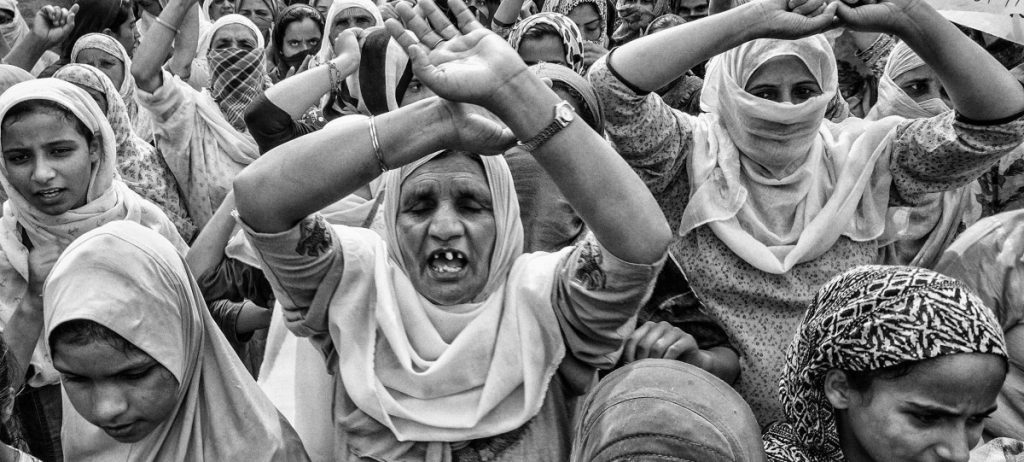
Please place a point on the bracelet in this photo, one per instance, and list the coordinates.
(376, 146)
(167, 25)
(336, 78)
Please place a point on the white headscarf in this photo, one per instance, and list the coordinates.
(435, 374)
(107, 199)
(142, 121)
(105, 277)
(326, 52)
(892, 100)
(201, 74)
(776, 223)
(17, 28)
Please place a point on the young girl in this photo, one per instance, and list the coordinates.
(154, 384)
(58, 170)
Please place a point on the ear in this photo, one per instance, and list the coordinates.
(109, 32)
(95, 148)
(837, 389)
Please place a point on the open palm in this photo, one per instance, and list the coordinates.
(467, 63)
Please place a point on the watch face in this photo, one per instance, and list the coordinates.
(564, 114)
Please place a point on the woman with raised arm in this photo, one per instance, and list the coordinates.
(768, 199)
(446, 340)
(202, 134)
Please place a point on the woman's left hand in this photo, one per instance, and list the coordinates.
(888, 16)
(467, 63)
(475, 130)
(592, 52)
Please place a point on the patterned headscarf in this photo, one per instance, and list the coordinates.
(143, 121)
(869, 318)
(572, 39)
(136, 158)
(566, 6)
(237, 76)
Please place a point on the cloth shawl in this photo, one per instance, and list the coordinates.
(566, 6)
(142, 121)
(139, 164)
(105, 277)
(17, 28)
(12, 75)
(834, 189)
(437, 374)
(572, 39)
(865, 319)
(384, 73)
(108, 199)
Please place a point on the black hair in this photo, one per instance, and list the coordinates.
(32, 106)
(293, 13)
(860, 381)
(95, 16)
(79, 332)
(664, 21)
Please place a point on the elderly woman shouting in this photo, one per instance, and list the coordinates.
(446, 340)
(768, 200)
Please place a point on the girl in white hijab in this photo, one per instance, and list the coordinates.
(768, 199)
(202, 405)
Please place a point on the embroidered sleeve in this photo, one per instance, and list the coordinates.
(944, 152)
(596, 300)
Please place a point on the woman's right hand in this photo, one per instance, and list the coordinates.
(52, 24)
(794, 19)
(467, 63)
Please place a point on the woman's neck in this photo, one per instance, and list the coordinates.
(853, 451)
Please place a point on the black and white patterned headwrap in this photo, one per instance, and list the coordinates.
(869, 318)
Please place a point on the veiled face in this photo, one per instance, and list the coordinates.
(258, 12)
(300, 36)
(935, 413)
(783, 79)
(234, 36)
(349, 18)
(922, 84)
(446, 229)
(547, 48)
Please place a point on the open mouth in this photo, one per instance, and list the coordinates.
(49, 194)
(447, 261)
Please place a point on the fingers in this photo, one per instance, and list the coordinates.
(805, 7)
(438, 21)
(467, 20)
(629, 350)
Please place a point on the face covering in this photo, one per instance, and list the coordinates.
(934, 106)
(294, 61)
(237, 80)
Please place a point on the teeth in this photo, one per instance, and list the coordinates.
(448, 255)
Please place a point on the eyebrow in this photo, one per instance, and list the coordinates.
(143, 363)
(945, 411)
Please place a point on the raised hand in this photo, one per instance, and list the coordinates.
(793, 19)
(889, 16)
(53, 24)
(467, 63)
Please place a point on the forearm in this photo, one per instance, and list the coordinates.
(21, 333)
(156, 45)
(601, 187)
(311, 172)
(298, 93)
(26, 53)
(208, 248)
(651, 62)
(721, 362)
(185, 44)
(980, 88)
(508, 12)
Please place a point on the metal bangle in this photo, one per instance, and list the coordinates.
(376, 146)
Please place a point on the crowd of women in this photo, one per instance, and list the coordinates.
(516, 230)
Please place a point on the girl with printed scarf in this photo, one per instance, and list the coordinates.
(889, 363)
(768, 199)
(591, 17)
(140, 165)
(152, 384)
(294, 39)
(202, 134)
(59, 173)
(549, 38)
(450, 342)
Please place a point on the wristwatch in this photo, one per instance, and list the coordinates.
(564, 115)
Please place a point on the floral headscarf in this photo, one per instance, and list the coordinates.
(866, 319)
(572, 39)
(566, 6)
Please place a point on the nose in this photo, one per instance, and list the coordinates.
(109, 403)
(955, 448)
(446, 224)
(42, 172)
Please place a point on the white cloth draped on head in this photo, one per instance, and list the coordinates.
(105, 277)
(201, 73)
(892, 100)
(439, 374)
(142, 121)
(107, 199)
(17, 28)
(326, 52)
(830, 188)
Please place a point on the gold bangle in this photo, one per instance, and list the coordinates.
(167, 25)
(376, 146)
